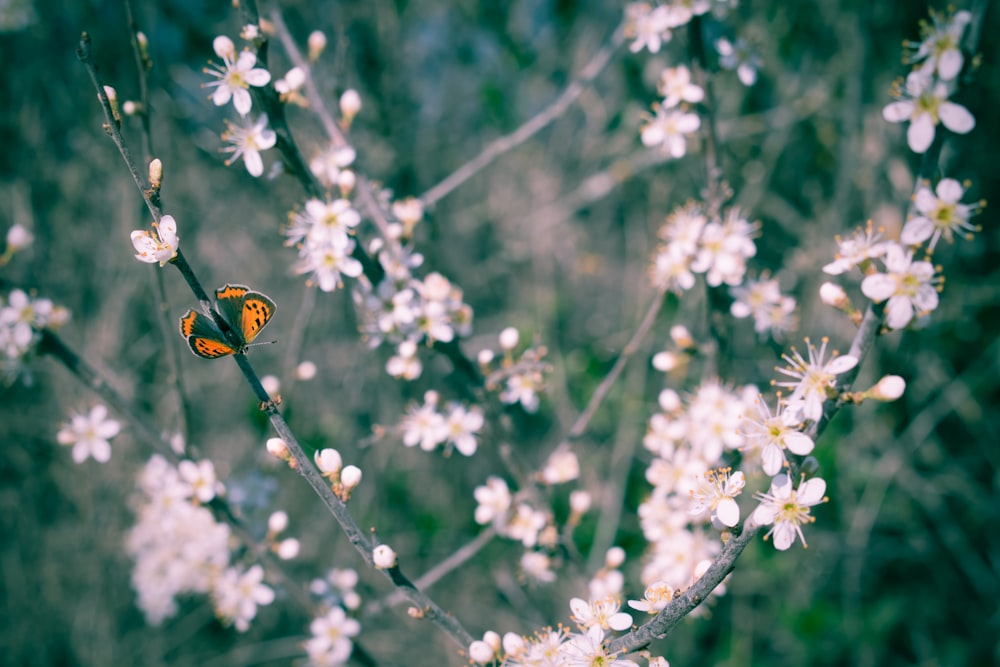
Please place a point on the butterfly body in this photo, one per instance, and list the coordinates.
(246, 311)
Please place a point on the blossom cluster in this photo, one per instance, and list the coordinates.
(517, 517)
(180, 548)
(520, 378)
(924, 97)
(22, 318)
(405, 310)
(693, 242)
(454, 428)
(908, 286)
(761, 299)
(323, 231)
(234, 77)
(519, 520)
(330, 641)
(670, 124)
(651, 25)
(585, 647)
(688, 438)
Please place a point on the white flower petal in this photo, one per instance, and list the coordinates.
(898, 312)
(956, 118)
(771, 458)
(811, 491)
(257, 77)
(728, 513)
(783, 535)
(897, 112)
(926, 299)
(878, 287)
(254, 163)
(916, 231)
(920, 134)
(950, 64)
(241, 100)
(620, 621)
(221, 95)
(841, 364)
(799, 443)
(764, 515)
(949, 190)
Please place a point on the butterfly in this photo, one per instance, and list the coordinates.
(246, 311)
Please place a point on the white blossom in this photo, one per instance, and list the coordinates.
(908, 287)
(924, 102)
(788, 509)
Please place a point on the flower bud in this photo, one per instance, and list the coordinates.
(130, 107)
(18, 238)
(350, 105)
(112, 96)
(277, 522)
(305, 371)
(665, 361)
(888, 388)
(155, 173)
(277, 448)
(58, 317)
(614, 558)
(316, 42)
(384, 557)
(681, 336)
(350, 477)
(492, 639)
(271, 384)
(669, 400)
(346, 181)
(485, 357)
(513, 644)
(288, 549)
(580, 502)
(480, 652)
(834, 295)
(509, 338)
(328, 461)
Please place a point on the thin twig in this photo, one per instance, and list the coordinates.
(580, 425)
(293, 346)
(171, 343)
(142, 66)
(436, 573)
(83, 52)
(558, 107)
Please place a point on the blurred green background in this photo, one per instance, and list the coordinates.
(902, 565)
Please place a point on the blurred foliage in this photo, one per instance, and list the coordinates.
(901, 567)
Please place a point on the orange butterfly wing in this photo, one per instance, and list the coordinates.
(204, 337)
(257, 312)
